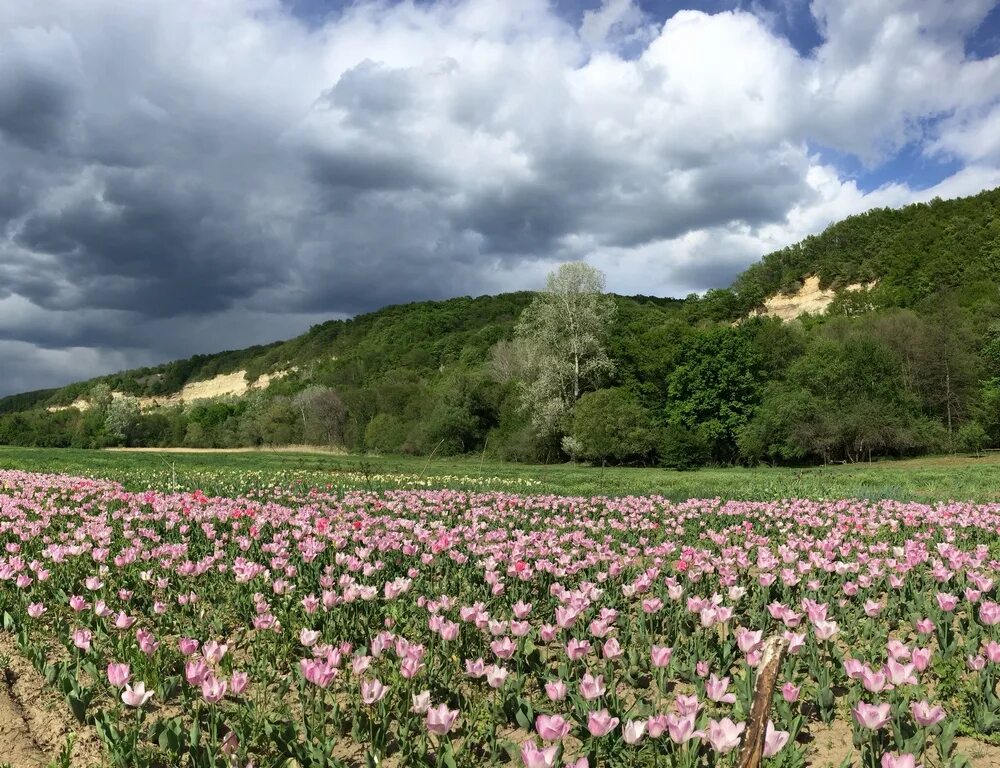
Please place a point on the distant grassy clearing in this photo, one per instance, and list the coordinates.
(925, 479)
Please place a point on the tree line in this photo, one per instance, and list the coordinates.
(909, 366)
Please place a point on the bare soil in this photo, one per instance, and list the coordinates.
(809, 298)
(35, 723)
(831, 744)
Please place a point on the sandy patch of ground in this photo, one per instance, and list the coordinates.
(35, 721)
(225, 384)
(831, 744)
(809, 298)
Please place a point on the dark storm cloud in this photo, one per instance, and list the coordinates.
(34, 110)
(147, 244)
(182, 177)
(37, 101)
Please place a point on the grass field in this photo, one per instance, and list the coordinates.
(926, 479)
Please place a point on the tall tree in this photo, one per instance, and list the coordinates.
(566, 325)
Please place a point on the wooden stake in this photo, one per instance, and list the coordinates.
(752, 752)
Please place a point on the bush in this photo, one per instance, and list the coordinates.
(385, 434)
(609, 425)
(682, 448)
(972, 437)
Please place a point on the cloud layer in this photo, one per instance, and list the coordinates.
(182, 177)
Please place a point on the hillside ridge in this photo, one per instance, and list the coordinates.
(880, 335)
(806, 277)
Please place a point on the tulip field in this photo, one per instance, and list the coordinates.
(319, 624)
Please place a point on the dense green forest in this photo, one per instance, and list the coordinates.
(909, 365)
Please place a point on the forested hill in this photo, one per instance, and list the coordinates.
(901, 357)
(913, 253)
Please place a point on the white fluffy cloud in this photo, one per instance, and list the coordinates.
(169, 167)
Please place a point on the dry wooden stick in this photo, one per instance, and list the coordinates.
(763, 690)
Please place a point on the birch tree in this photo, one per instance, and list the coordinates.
(566, 326)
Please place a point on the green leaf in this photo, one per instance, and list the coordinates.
(525, 716)
(448, 756)
(79, 706)
(194, 735)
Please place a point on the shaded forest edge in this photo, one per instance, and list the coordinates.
(908, 365)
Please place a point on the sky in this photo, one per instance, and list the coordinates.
(198, 175)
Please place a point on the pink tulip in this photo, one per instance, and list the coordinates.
(213, 689)
(989, 613)
(657, 725)
(592, 687)
(687, 705)
(318, 673)
(611, 649)
(652, 605)
(552, 727)
(187, 645)
(118, 674)
(137, 695)
(724, 735)
(556, 690)
(716, 689)
(421, 702)
(213, 651)
(533, 757)
(774, 741)
(790, 693)
(661, 655)
(238, 682)
(147, 642)
(795, 640)
(496, 676)
(600, 723)
(854, 668)
(35, 610)
(503, 648)
(921, 658)
(681, 728)
(899, 761)
(874, 682)
(440, 719)
(633, 731)
(565, 617)
(82, 638)
(825, 630)
(123, 620)
(926, 715)
(870, 716)
(946, 602)
(747, 640)
(475, 668)
(900, 674)
(195, 671)
(991, 651)
(872, 608)
(577, 649)
(372, 691)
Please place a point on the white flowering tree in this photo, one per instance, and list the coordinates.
(566, 327)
